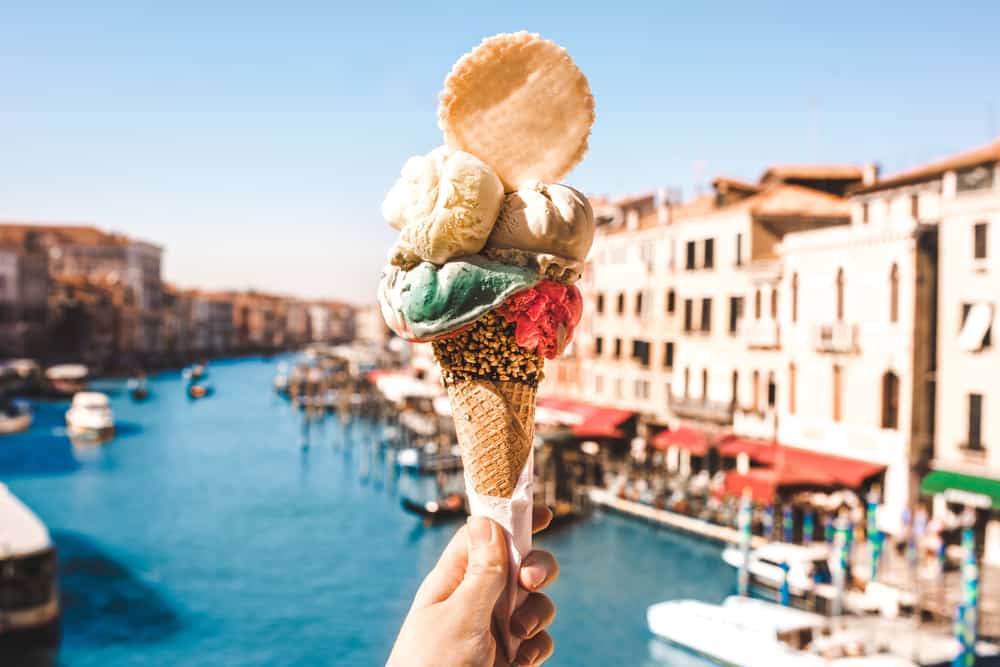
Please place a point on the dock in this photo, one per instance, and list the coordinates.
(687, 524)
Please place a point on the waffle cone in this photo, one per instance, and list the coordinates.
(495, 424)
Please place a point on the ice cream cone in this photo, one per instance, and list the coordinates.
(491, 383)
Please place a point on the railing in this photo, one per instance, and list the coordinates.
(760, 334)
(756, 424)
(836, 337)
(702, 410)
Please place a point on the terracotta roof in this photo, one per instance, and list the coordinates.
(832, 172)
(785, 201)
(643, 199)
(70, 234)
(988, 153)
(724, 182)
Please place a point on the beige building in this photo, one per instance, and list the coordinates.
(961, 194)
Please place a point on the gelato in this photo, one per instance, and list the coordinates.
(550, 219)
(445, 204)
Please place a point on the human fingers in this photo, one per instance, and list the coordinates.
(541, 517)
(533, 616)
(538, 570)
(534, 651)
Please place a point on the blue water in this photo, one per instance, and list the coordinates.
(205, 535)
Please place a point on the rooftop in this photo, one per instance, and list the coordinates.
(813, 172)
(984, 154)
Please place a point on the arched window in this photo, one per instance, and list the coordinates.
(755, 381)
(600, 303)
(736, 388)
(894, 293)
(704, 384)
(837, 392)
(840, 295)
(621, 303)
(795, 297)
(890, 400)
(774, 303)
(791, 388)
(687, 382)
(772, 391)
(756, 305)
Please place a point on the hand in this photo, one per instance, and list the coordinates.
(450, 622)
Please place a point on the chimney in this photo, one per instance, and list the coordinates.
(662, 206)
(870, 174)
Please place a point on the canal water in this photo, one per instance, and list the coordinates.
(205, 535)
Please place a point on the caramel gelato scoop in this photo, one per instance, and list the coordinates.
(550, 219)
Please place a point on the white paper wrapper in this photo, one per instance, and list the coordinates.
(514, 515)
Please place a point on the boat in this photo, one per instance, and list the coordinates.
(196, 391)
(450, 507)
(25, 377)
(15, 417)
(195, 372)
(29, 596)
(90, 417)
(808, 566)
(138, 389)
(67, 379)
(744, 632)
(281, 379)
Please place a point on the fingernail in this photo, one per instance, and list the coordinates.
(534, 577)
(523, 627)
(480, 531)
(527, 656)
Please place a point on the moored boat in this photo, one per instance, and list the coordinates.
(90, 417)
(450, 507)
(66, 379)
(29, 600)
(15, 417)
(138, 388)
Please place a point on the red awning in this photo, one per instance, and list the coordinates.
(595, 421)
(759, 451)
(374, 375)
(765, 482)
(690, 439)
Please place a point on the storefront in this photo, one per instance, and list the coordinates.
(954, 492)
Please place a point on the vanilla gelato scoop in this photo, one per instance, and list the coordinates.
(445, 205)
(551, 219)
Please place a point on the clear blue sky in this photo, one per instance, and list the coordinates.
(255, 140)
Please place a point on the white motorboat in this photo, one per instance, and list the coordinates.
(29, 599)
(808, 566)
(15, 417)
(90, 416)
(744, 632)
(67, 379)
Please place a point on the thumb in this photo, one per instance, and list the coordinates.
(486, 573)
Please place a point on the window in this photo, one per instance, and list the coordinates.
(641, 389)
(671, 301)
(638, 303)
(976, 343)
(640, 352)
(734, 390)
(735, 313)
(598, 346)
(890, 400)
(755, 389)
(621, 303)
(689, 256)
(791, 388)
(688, 315)
(709, 260)
(774, 303)
(979, 240)
(668, 355)
(840, 295)
(756, 304)
(795, 297)
(974, 178)
(600, 304)
(837, 391)
(864, 213)
(598, 384)
(706, 315)
(975, 441)
(772, 391)
(704, 384)
(618, 387)
(687, 382)
(739, 250)
(894, 293)
(915, 207)
(618, 348)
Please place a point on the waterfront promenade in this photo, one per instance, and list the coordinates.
(204, 535)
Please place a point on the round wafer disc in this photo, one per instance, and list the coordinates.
(519, 103)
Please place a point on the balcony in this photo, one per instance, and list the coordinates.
(837, 338)
(756, 424)
(702, 410)
(760, 334)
